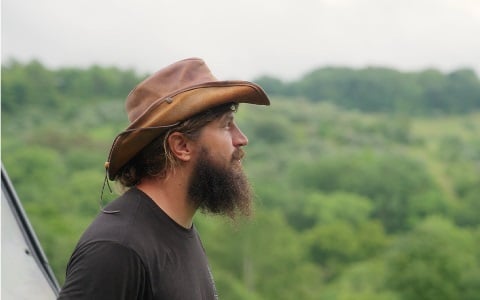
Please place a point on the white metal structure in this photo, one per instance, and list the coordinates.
(26, 273)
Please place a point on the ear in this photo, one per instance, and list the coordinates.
(180, 146)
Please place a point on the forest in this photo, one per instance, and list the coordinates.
(367, 181)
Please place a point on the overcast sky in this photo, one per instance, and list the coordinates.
(245, 39)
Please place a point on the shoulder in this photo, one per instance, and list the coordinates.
(136, 226)
(117, 227)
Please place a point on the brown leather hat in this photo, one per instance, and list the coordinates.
(170, 96)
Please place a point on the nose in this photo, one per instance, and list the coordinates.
(240, 139)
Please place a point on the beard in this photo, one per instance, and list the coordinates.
(220, 190)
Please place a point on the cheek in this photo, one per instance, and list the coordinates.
(222, 141)
(223, 149)
(219, 144)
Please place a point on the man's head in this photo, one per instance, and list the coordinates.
(169, 97)
(184, 102)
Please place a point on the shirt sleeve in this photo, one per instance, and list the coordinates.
(104, 270)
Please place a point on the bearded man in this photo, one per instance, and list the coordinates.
(181, 152)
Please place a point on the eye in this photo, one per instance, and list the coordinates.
(228, 123)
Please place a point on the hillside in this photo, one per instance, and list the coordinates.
(351, 204)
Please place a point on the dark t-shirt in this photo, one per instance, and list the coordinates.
(138, 253)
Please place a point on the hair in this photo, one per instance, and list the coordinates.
(157, 159)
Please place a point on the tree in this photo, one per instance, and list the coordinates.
(436, 261)
(265, 255)
(392, 182)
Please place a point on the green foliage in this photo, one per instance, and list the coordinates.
(363, 280)
(394, 183)
(26, 85)
(334, 246)
(340, 206)
(262, 255)
(385, 90)
(32, 85)
(435, 261)
(350, 205)
(273, 86)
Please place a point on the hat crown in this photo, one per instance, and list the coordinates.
(173, 78)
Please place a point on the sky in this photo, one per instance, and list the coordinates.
(244, 39)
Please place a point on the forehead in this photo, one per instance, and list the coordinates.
(221, 120)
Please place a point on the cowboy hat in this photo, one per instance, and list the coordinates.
(172, 95)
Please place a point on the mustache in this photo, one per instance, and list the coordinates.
(238, 154)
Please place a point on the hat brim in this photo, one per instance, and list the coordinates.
(168, 111)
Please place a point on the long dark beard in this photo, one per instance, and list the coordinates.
(219, 190)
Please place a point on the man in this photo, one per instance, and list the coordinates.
(181, 152)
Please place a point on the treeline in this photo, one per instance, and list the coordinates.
(32, 84)
(426, 92)
(349, 205)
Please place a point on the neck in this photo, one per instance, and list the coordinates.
(170, 194)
